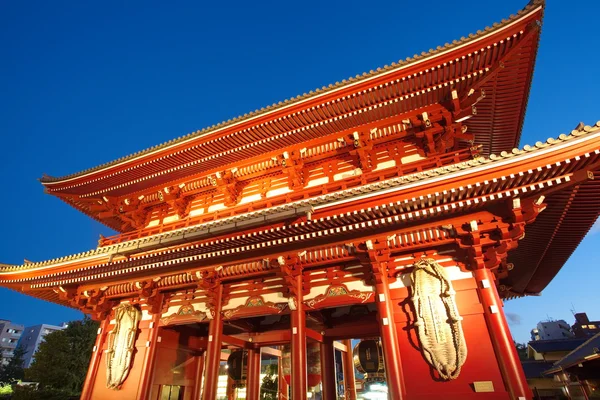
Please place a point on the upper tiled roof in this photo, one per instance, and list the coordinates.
(317, 93)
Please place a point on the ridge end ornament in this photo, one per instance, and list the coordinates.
(437, 319)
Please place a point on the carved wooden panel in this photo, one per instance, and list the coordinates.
(185, 315)
(255, 306)
(339, 295)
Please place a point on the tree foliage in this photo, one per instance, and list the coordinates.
(62, 359)
(521, 350)
(269, 387)
(13, 371)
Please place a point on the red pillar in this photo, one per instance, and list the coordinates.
(147, 376)
(506, 353)
(199, 371)
(389, 338)
(348, 365)
(95, 361)
(213, 351)
(328, 370)
(253, 378)
(299, 370)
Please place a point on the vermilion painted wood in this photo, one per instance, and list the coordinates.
(506, 352)
(213, 352)
(479, 45)
(508, 57)
(197, 388)
(86, 392)
(253, 379)
(329, 391)
(298, 339)
(348, 366)
(66, 269)
(130, 386)
(389, 339)
(177, 362)
(420, 380)
(147, 375)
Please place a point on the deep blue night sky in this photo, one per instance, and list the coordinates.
(84, 83)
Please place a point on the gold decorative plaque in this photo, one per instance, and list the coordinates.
(483, 386)
(121, 341)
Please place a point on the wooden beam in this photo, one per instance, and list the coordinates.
(314, 335)
(340, 346)
(271, 351)
(241, 324)
(354, 332)
(235, 341)
(268, 338)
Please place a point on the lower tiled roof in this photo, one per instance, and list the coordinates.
(549, 346)
(587, 348)
(535, 368)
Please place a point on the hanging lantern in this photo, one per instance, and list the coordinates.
(368, 360)
(313, 362)
(237, 367)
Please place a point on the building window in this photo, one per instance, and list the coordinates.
(592, 326)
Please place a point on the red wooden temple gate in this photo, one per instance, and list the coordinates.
(390, 206)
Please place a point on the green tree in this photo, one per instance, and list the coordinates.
(521, 350)
(13, 371)
(62, 359)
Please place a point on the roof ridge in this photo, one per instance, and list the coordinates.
(554, 340)
(313, 93)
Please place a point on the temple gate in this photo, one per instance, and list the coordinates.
(356, 242)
